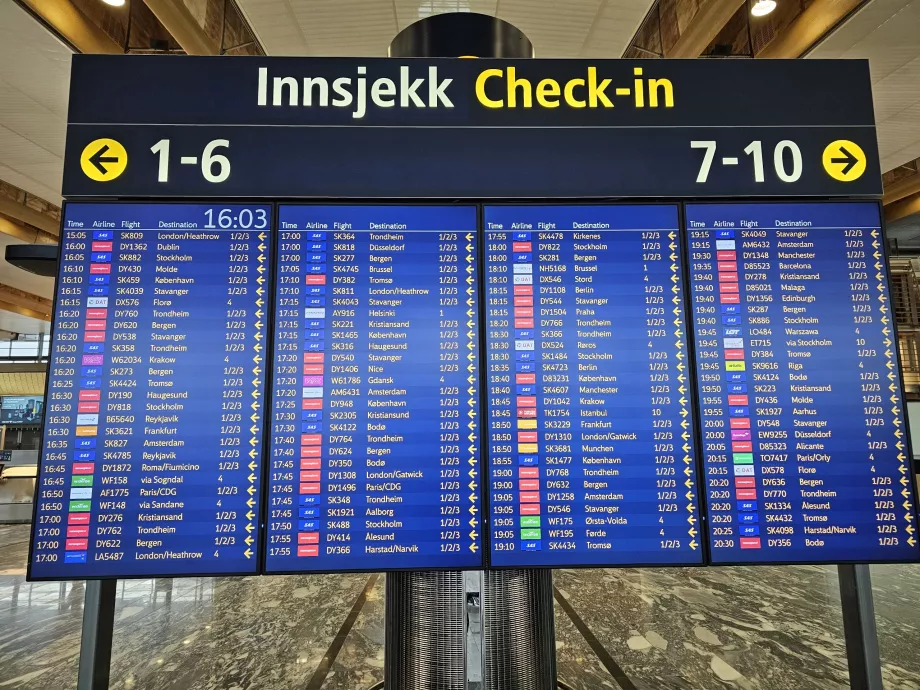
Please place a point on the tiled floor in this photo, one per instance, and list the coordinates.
(681, 629)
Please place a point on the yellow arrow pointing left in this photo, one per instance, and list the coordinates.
(103, 160)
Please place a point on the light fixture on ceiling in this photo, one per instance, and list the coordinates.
(114, 3)
(760, 8)
(40, 259)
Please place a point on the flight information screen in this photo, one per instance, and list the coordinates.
(374, 458)
(591, 434)
(150, 462)
(804, 436)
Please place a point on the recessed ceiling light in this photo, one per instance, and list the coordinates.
(760, 8)
(114, 3)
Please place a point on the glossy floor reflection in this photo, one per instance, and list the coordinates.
(675, 629)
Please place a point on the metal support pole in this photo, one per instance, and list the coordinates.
(96, 638)
(859, 627)
(472, 584)
(451, 630)
(425, 631)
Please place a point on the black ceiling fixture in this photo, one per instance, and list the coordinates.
(40, 259)
(461, 34)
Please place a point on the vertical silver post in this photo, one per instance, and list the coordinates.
(859, 627)
(472, 582)
(96, 637)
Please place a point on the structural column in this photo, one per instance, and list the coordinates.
(449, 630)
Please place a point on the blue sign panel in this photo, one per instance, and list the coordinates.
(374, 458)
(151, 456)
(805, 448)
(278, 121)
(591, 438)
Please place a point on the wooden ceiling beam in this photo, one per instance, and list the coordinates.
(30, 216)
(25, 233)
(809, 27)
(25, 303)
(22, 311)
(902, 208)
(182, 25)
(63, 17)
(706, 24)
(901, 189)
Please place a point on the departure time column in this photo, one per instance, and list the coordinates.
(286, 396)
(502, 375)
(59, 468)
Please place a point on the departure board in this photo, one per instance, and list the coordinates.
(374, 457)
(591, 434)
(150, 463)
(804, 435)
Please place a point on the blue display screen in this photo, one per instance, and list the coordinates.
(805, 448)
(591, 433)
(151, 456)
(374, 457)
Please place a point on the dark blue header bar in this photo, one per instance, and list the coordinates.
(376, 128)
(168, 216)
(448, 92)
(636, 217)
(377, 218)
(782, 216)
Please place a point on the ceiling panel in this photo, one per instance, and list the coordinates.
(886, 33)
(34, 78)
(22, 383)
(615, 26)
(557, 28)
